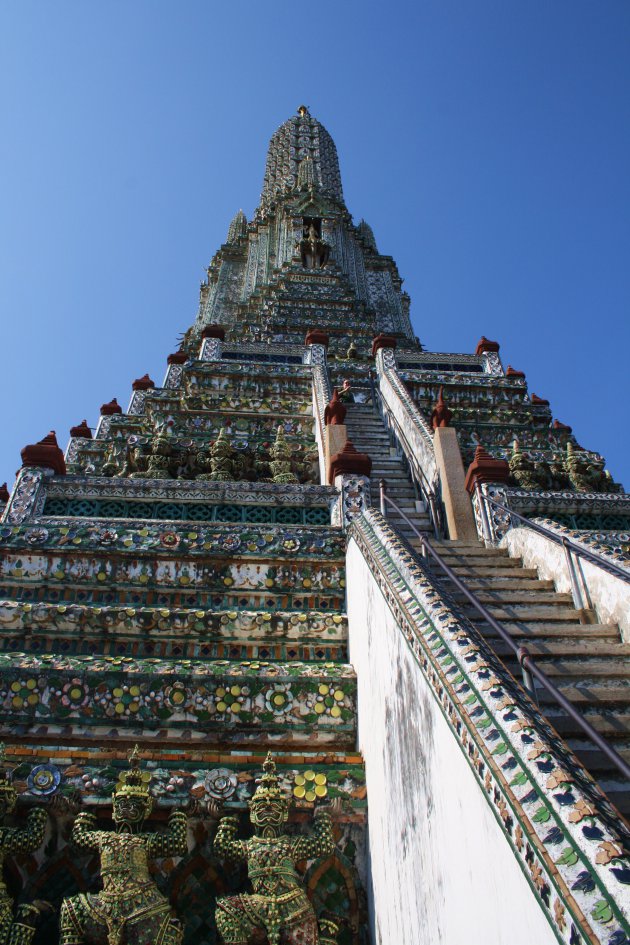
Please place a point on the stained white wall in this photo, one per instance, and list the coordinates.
(442, 872)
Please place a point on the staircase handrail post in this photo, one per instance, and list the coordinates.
(383, 490)
(483, 512)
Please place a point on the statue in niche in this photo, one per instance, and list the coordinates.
(280, 464)
(586, 471)
(202, 463)
(314, 251)
(130, 910)
(221, 459)
(154, 460)
(528, 473)
(17, 927)
(278, 908)
(116, 458)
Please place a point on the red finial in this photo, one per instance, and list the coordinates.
(45, 453)
(511, 372)
(82, 430)
(335, 411)
(562, 427)
(4, 493)
(349, 462)
(316, 337)
(441, 416)
(107, 410)
(539, 401)
(143, 383)
(485, 345)
(383, 341)
(485, 468)
(178, 357)
(213, 331)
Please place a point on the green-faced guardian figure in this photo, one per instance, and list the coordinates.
(16, 928)
(130, 910)
(279, 907)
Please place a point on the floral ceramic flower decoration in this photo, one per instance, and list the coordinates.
(169, 539)
(329, 700)
(177, 696)
(36, 536)
(220, 783)
(24, 693)
(44, 779)
(310, 786)
(119, 701)
(230, 699)
(291, 544)
(279, 699)
(106, 536)
(75, 694)
(231, 543)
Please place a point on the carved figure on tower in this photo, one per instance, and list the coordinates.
(278, 907)
(314, 251)
(17, 927)
(130, 910)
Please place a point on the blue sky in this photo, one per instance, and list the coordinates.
(487, 143)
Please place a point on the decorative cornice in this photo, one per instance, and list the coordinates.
(168, 490)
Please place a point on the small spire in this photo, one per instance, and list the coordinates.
(303, 111)
(238, 227)
(367, 234)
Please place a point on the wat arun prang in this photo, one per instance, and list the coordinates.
(177, 582)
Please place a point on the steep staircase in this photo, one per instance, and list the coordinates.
(368, 434)
(587, 660)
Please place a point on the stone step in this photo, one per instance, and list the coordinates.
(411, 513)
(473, 551)
(507, 581)
(470, 563)
(566, 648)
(483, 572)
(487, 570)
(374, 445)
(564, 672)
(524, 612)
(511, 582)
(503, 596)
(592, 695)
(541, 631)
(596, 760)
(613, 723)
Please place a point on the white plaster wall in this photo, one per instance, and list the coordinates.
(442, 872)
(610, 596)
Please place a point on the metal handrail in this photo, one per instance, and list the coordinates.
(559, 539)
(524, 657)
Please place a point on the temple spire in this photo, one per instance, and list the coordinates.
(301, 152)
